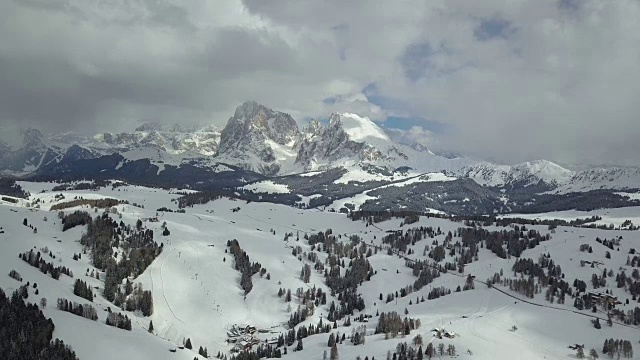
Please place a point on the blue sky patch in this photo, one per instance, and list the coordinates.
(494, 28)
(406, 123)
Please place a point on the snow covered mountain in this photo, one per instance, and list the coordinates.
(528, 173)
(25, 150)
(173, 139)
(259, 139)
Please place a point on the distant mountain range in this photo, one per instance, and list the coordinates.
(259, 143)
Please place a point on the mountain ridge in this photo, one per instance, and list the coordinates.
(269, 142)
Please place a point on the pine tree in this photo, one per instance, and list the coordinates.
(430, 352)
(334, 352)
(332, 340)
(151, 327)
(451, 350)
(187, 344)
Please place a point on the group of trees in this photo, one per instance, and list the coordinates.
(407, 352)
(93, 185)
(546, 274)
(94, 203)
(516, 240)
(9, 187)
(15, 275)
(400, 240)
(617, 347)
(86, 311)
(262, 351)
(305, 273)
(425, 271)
(371, 217)
(203, 352)
(76, 218)
(26, 333)
(290, 337)
(342, 283)
(391, 324)
(83, 290)
(138, 250)
(118, 320)
(243, 265)
(34, 259)
(609, 243)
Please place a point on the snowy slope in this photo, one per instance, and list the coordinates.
(362, 129)
(196, 292)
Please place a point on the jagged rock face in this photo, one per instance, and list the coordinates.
(253, 121)
(331, 143)
(328, 144)
(249, 132)
(171, 138)
(29, 156)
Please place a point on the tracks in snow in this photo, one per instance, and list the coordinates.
(164, 295)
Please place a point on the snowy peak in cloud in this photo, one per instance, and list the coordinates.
(322, 145)
(359, 129)
(32, 137)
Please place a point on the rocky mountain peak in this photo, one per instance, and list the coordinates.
(32, 137)
(312, 128)
(255, 133)
(150, 126)
(251, 117)
(334, 120)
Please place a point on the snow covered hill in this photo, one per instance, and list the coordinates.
(197, 292)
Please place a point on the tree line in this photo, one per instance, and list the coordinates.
(25, 333)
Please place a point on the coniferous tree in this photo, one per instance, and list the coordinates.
(334, 352)
(332, 340)
(430, 352)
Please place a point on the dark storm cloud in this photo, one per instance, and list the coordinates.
(512, 81)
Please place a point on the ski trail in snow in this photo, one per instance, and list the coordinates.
(471, 323)
(164, 336)
(547, 352)
(164, 293)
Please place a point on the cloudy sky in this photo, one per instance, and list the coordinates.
(504, 80)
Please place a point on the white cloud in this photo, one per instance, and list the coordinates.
(515, 80)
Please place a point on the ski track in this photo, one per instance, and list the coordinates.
(163, 290)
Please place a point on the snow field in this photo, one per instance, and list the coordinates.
(196, 289)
